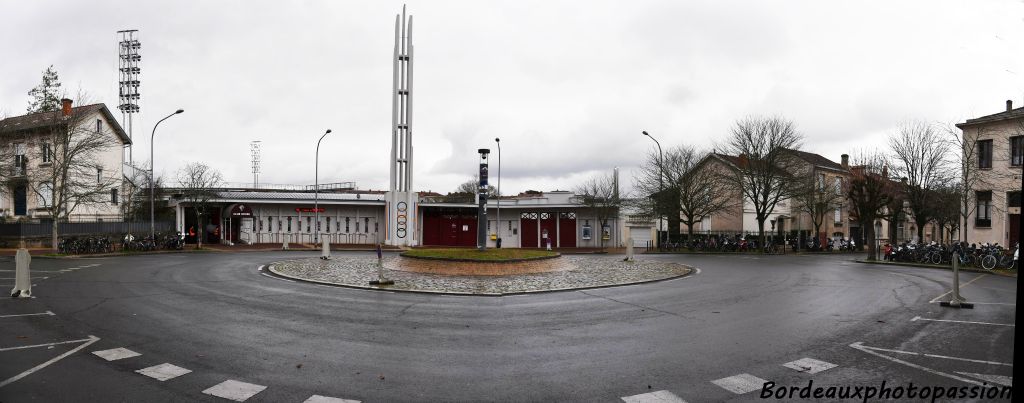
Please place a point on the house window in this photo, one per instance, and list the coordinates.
(20, 161)
(328, 224)
(1016, 150)
(357, 226)
(270, 224)
(839, 215)
(983, 214)
(821, 182)
(99, 125)
(99, 175)
(1013, 199)
(839, 185)
(984, 153)
(346, 225)
(289, 224)
(45, 194)
(260, 221)
(309, 223)
(366, 224)
(46, 152)
(376, 226)
(113, 196)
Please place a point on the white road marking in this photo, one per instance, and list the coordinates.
(809, 365)
(945, 357)
(740, 384)
(234, 390)
(15, 278)
(996, 379)
(164, 371)
(28, 314)
(261, 269)
(113, 354)
(325, 399)
(961, 287)
(661, 396)
(865, 349)
(45, 344)
(917, 318)
(982, 303)
(90, 340)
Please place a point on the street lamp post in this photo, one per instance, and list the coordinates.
(661, 175)
(498, 225)
(316, 188)
(152, 216)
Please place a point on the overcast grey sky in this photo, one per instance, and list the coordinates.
(567, 85)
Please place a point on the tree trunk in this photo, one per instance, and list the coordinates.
(201, 230)
(689, 234)
(673, 226)
(760, 232)
(53, 233)
(869, 236)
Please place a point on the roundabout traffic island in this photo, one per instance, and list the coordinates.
(493, 272)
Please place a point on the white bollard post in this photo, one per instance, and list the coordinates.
(284, 245)
(548, 240)
(325, 252)
(23, 280)
(629, 249)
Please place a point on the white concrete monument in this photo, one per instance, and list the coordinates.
(22, 277)
(401, 200)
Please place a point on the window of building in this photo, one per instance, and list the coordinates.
(45, 152)
(99, 175)
(357, 226)
(1013, 199)
(376, 226)
(346, 225)
(838, 215)
(366, 224)
(45, 194)
(983, 213)
(328, 224)
(99, 125)
(984, 153)
(1016, 150)
(821, 182)
(20, 161)
(289, 224)
(113, 196)
(309, 224)
(839, 185)
(260, 224)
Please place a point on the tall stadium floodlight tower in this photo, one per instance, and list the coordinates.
(128, 82)
(401, 200)
(254, 150)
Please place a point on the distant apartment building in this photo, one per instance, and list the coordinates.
(999, 140)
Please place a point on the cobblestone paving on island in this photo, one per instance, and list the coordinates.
(586, 272)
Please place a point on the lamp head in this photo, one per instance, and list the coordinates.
(645, 133)
(497, 140)
(328, 131)
(179, 111)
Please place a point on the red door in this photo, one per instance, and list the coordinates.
(567, 230)
(548, 226)
(528, 230)
(467, 231)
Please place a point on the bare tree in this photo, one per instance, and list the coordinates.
(869, 191)
(815, 197)
(700, 190)
(197, 182)
(946, 205)
(661, 196)
(600, 196)
(71, 171)
(764, 168)
(466, 192)
(920, 155)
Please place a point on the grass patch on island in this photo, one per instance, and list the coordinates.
(489, 255)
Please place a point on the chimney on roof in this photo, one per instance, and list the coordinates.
(744, 161)
(1009, 105)
(65, 107)
(885, 172)
(846, 161)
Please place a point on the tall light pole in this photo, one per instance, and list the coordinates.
(661, 175)
(497, 242)
(152, 216)
(316, 188)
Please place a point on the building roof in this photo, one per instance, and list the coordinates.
(299, 196)
(1017, 113)
(45, 119)
(817, 160)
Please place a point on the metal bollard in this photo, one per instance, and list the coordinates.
(284, 245)
(23, 280)
(325, 252)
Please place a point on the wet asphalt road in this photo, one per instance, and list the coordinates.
(216, 315)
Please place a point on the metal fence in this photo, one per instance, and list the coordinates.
(31, 230)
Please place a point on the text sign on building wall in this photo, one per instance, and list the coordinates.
(309, 210)
(241, 211)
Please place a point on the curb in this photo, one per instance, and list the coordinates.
(931, 266)
(269, 268)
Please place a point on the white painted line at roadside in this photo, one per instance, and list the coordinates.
(961, 287)
(45, 344)
(163, 371)
(809, 365)
(661, 396)
(234, 390)
(740, 384)
(15, 278)
(326, 399)
(917, 318)
(261, 267)
(859, 346)
(28, 314)
(996, 379)
(945, 357)
(90, 340)
(114, 354)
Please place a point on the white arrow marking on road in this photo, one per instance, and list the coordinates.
(28, 314)
(996, 379)
(90, 340)
(45, 345)
(917, 318)
(945, 357)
